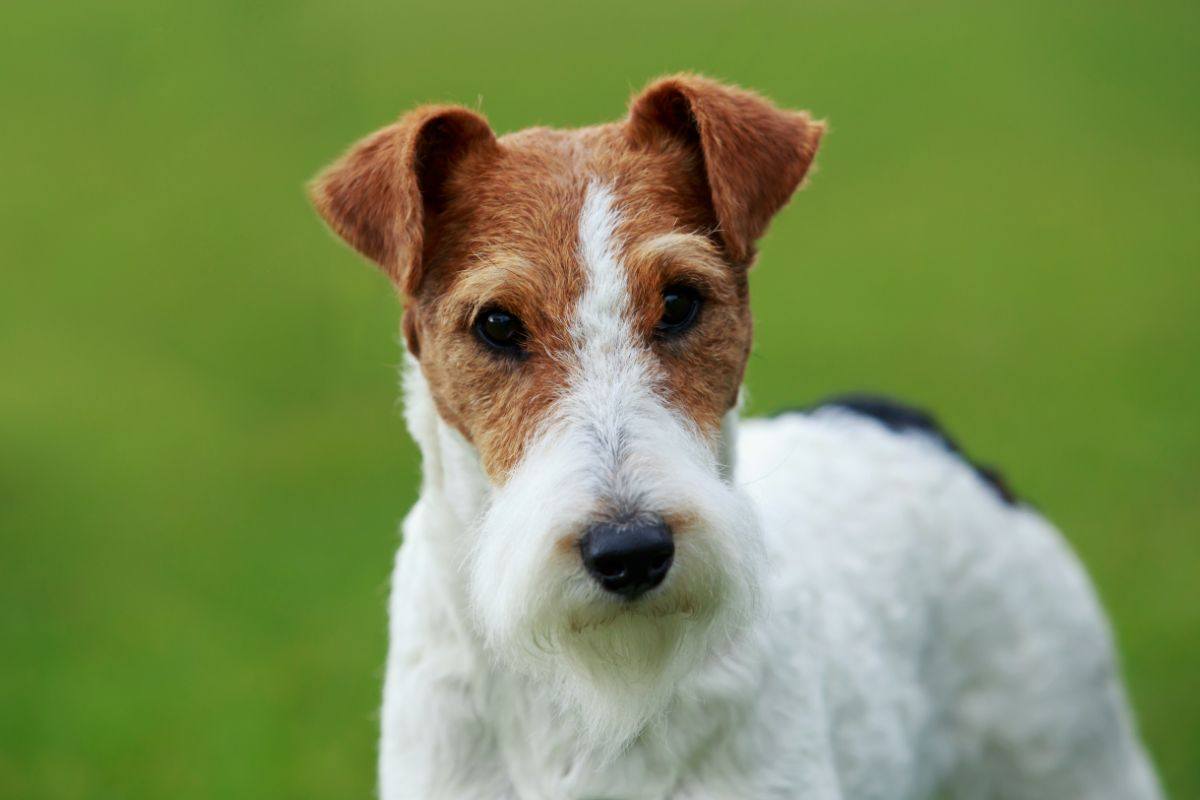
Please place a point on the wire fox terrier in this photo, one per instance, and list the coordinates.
(610, 587)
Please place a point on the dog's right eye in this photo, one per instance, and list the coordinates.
(500, 330)
(681, 304)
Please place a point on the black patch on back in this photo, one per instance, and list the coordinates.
(896, 416)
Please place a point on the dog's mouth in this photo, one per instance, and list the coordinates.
(655, 607)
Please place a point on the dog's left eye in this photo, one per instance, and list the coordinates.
(681, 304)
(501, 330)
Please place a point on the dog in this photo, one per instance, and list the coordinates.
(610, 588)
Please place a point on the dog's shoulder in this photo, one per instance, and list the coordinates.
(857, 420)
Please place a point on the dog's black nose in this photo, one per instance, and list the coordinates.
(628, 558)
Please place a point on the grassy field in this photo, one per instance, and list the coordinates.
(201, 463)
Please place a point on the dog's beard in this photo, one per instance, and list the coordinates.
(615, 667)
(612, 667)
(614, 677)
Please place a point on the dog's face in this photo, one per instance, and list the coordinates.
(577, 303)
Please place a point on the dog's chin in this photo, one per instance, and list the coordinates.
(613, 667)
(619, 673)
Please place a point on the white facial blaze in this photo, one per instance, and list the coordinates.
(612, 445)
(599, 321)
(611, 386)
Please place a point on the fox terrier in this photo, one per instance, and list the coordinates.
(610, 588)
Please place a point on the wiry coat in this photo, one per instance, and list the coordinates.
(920, 635)
(852, 610)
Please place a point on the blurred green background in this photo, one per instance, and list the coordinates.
(201, 460)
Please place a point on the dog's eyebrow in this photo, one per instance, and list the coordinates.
(495, 279)
(681, 255)
(677, 243)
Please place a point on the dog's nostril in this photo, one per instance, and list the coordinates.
(628, 558)
(609, 566)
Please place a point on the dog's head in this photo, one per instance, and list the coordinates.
(577, 304)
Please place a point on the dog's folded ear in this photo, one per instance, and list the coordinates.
(753, 153)
(383, 196)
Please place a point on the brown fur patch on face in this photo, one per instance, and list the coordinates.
(509, 239)
(465, 223)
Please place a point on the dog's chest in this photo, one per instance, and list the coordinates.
(545, 758)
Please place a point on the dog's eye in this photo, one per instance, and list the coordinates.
(681, 304)
(500, 329)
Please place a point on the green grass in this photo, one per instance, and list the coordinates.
(201, 463)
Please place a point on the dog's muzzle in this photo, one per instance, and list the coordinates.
(628, 558)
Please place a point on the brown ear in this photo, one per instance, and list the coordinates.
(754, 154)
(382, 196)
